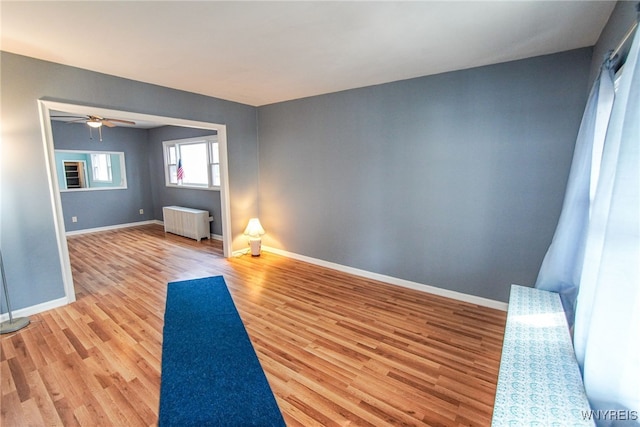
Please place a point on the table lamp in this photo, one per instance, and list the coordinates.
(254, 230)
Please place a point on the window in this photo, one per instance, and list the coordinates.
(193, 162)
(101, 167)
(80, 170)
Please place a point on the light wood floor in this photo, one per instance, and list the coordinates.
(337, 349)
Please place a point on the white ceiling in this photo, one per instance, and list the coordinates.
(263, 52)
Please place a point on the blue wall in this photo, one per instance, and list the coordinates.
(145, 178)
(453, 180)
(208, 200)
(27, 227)
(107, 207)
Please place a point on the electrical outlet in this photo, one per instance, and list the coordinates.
(141, 211)
(74, 219)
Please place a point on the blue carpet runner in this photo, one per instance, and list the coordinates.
(211, 375)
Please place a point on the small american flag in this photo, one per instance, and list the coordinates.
(180, 170)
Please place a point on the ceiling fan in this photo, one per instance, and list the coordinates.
(94, 122)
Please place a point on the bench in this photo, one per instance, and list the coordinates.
(539, 382)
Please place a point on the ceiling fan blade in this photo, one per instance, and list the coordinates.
(108, 123)
(128, 122)
(70, 119)
(80, 120)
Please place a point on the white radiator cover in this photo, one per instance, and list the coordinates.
(187, 222)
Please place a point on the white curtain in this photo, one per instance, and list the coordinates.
(562, 266)
(607, 318)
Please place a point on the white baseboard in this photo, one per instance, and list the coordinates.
(127, 225)
(112, 227)
(35, 309)
(485, 302)
(39, 308)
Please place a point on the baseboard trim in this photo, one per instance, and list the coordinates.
(35, 309)
(485, 302)
(112, 227)
(127, 225)
(39, 308)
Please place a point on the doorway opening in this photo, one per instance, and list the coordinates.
(46, 107)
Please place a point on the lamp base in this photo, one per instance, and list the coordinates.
(255, 245)
(14, 325)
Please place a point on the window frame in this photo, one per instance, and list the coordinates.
(96, 167)
(211, 142)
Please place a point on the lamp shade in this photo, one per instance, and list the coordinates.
(94, 123)
(254, 229)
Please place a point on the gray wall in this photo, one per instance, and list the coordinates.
(27, 229)
(145, 178)
(107, 207)
(453, 180)
(166, 196)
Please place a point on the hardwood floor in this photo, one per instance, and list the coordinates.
(337, 349)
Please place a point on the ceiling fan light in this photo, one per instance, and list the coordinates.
(94, 123)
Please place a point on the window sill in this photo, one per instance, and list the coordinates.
(194, 187)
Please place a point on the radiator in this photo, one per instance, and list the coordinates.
(187, 222)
